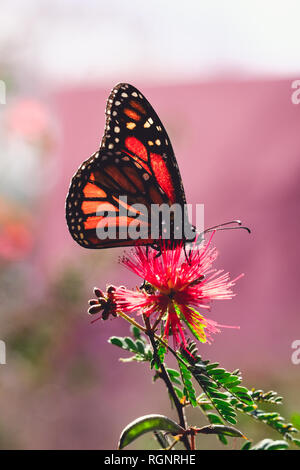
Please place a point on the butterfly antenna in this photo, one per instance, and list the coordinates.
(223, 227)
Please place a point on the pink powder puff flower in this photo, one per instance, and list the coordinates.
(175, 288)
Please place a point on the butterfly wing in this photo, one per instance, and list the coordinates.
(135, 163)
(133, 127)
(104, 192)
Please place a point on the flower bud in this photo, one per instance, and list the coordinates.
(98, 293)
(94, 309)
(110, 289)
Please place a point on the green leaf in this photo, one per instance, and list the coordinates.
(278, 445)
(269, 444)
(200, 337)
(229, 382)
(140, 346)
(222, 439)
(247, 445)
(269, 397)
(216, 372)
(296, 442)
(189, 390)
(117, 342)
(142, 351)
(222, 405)
(161, 351)
(239, 390)
(216, 394)
(130, 344)
(148, 423)
(214, 419)
(136, 332)
(174, 374)
(211, 366)
(275, 421)
(212, 379)
(221, 429)
(179, 392)
(137, 358)
(242, 393)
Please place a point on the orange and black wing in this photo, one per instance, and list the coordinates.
(135, 162)
(102, 186)
(133, 127)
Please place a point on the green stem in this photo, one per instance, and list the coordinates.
(130, 320)
(142, 328)
(164, 375)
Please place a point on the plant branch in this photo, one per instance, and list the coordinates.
(144, 330)
(164, 375)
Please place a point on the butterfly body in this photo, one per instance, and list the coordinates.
(134, 168)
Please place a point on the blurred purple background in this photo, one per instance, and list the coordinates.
(235, 132)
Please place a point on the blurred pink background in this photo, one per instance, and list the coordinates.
(237, 144)
(237, 141)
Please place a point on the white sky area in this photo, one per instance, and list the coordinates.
(71, 41)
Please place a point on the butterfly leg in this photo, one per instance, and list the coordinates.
(158, 248)
(187, 255)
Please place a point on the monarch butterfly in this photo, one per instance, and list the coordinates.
(135, 165)
(135, 161)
